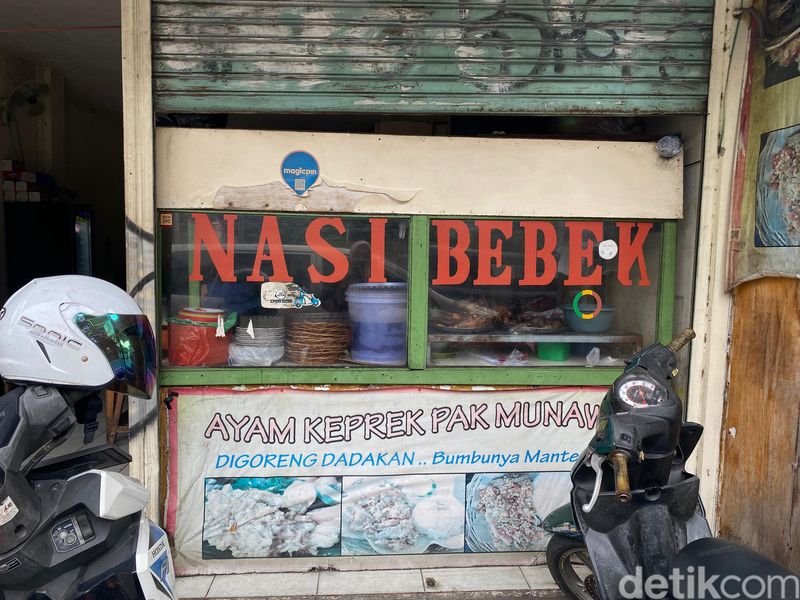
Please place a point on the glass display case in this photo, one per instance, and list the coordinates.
(409, 299)
(253, 290)
(541, 293)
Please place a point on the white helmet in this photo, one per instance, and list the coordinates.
(77, 331)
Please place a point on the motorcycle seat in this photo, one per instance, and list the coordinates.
(734, 567)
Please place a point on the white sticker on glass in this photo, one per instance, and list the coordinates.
(607, 249)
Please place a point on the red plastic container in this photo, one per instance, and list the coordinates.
(193, 340)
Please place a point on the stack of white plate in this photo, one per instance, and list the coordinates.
(259, 344)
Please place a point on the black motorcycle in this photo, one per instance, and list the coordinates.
(635, 526)
(69, 528)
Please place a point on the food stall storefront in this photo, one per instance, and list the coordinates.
(389, 350)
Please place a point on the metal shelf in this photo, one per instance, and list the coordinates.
(496, 337)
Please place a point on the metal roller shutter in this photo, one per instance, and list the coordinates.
(445, 56)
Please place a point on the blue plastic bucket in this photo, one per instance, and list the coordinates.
(378, 320)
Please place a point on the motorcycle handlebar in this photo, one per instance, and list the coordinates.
(622, 486)
(683, 338)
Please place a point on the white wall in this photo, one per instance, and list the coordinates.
(94, 169)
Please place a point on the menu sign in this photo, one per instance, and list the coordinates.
(288, 473)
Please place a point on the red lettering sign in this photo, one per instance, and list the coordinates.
(631, 251)
(578, 253)
(457, 252)
(453, 261)
(270, 238)
(488, 254)
(325, 250)
(377, 250)
(221, 258)
(534, 253)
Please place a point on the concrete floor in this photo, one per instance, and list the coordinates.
(476, 583)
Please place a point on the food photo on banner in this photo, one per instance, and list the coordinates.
(262, 517)
(289, 473)
(505, 511)
(409, 514)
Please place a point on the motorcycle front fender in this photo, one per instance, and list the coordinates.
(562, 522)
(645, 533)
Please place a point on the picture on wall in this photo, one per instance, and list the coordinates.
(783, 61)
(263, 517)
(412, 514)
(782, 65)
(777, 206)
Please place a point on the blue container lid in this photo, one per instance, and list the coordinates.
(369, 287)
(391, 293)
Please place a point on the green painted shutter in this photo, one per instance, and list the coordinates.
(445, 56)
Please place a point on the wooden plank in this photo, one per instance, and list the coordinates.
(608, 337)
(758, 505)
(190, 28)
(612, 104)
(418, 292)
(422, 88)
(440, 71)
(446, 56)
(178, 54)
(666, 283)
(602, 376)
(195, 72)
(407, 175)
(465, 4)
(708, 376)
(137, 120)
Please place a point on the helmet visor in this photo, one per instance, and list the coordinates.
(127, 342)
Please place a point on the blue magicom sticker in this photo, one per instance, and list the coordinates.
(300, 171)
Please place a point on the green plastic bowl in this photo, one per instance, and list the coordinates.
(556, 351)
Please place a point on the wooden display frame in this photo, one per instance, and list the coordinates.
(417, 372)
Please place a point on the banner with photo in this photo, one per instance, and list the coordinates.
(765, 212)
(283, 472)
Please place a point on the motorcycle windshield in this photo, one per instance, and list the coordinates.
(127, 342)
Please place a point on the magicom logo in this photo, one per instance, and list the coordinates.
(695, 584)
(299, 171)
